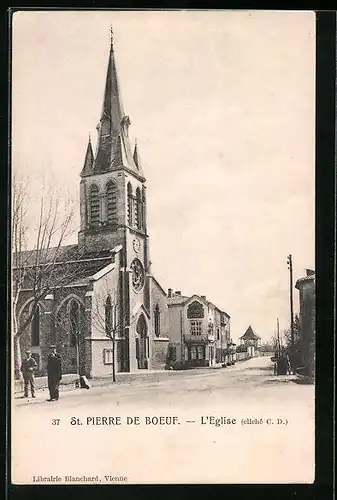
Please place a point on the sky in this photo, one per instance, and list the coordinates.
(222, 104)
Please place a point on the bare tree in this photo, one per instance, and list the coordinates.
(39, 270)
(109, 316)
(297, 332)
(19, 237)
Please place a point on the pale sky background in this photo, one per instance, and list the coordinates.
(223, 106)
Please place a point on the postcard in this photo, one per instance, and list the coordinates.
(163, 248)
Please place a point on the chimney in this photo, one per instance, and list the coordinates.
(203, 297)
(177, 292)
(169, 293)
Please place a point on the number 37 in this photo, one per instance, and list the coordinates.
(55, 421)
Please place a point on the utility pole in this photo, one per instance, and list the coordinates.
(290, 267)
(278, 336)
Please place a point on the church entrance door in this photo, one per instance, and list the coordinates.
(142, 341)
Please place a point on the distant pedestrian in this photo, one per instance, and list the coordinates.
(27, 368)
(54, 370)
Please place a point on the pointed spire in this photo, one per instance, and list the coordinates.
(89, 160)
(111, 38)
(136, 157)
(113, 144)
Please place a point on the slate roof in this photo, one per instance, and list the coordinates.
(177, 300)
(71, 266)
(65, 253)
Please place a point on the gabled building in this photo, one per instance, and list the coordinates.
(110, 283)
(251, 341)
(199, 331)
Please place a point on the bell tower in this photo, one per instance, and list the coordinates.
(112, 187)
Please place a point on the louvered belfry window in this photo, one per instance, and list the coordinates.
(94, 205)
(129, 214)
(138, 210)
(111, 199)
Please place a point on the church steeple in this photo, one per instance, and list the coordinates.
(113, 144)
(112, 188)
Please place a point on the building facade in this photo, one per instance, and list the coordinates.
(199, 331)
(307, 341)
(110, 310)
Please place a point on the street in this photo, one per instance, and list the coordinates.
(236, 424)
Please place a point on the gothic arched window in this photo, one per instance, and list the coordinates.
(35, 328)
(74, 316)
(157, 321)
(138, 210)
(129, 206)
(111, 202)
(94, 205)
(108, 316)
(195, 310)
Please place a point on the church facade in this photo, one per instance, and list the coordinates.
(113, 310)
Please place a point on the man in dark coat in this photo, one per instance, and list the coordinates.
(27, 369)
(54, 370)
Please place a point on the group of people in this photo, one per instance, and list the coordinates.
(54, 372)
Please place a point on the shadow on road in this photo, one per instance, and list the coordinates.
(277, 381)
(303, 381)
(260, 368)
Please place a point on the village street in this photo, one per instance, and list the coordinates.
(267, 428)
(246, 382)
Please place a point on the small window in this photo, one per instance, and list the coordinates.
(111, 200)
(157, 321)
(193, 352)
(195, 327)
(74, 322)
(138, 210)
(35, 328)
(108, 317)
(130, 204)
(94, 205)
(200, 352)
(107, 356)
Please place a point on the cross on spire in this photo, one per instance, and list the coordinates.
(111, 38)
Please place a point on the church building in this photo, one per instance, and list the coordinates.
(112, 293)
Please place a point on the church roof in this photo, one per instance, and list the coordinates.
(70, 266)
(113, 144)
(249, 334)
(66, 253)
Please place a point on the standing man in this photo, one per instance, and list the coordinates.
(27, 369)
(54, 370)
